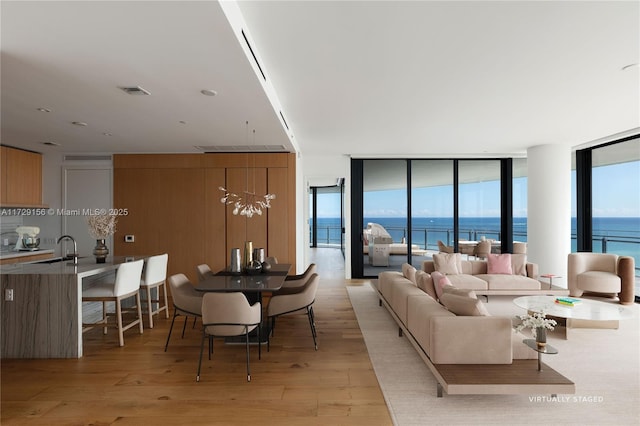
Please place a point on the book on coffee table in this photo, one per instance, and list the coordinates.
(568, 301)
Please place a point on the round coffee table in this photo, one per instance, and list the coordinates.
(587, 309)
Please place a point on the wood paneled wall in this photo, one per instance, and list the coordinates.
(174, 207)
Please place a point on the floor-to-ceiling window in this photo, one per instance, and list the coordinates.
(384, 213)
(455, 201)
(431, 206)
(520, 199)
(608, 212)
(479, 202)
(326, 216)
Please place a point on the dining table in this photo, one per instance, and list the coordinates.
(252, 285)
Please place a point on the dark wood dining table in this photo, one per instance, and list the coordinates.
(253, 286)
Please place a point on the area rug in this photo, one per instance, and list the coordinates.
(604, 364)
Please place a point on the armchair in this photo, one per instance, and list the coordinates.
(606, 274)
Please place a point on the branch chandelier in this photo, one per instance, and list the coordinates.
(247, 203)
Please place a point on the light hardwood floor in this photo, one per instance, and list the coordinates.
(141, 384)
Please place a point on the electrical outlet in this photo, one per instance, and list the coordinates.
(8, 294)
(129, 238)
(5, 242)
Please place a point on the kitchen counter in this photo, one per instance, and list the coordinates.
(43, 318)
(7, 257)
(86, 266)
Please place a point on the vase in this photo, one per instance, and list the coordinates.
(541, 336)
(248, 253)
(100, 251)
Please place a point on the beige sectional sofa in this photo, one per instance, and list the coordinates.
(461, 335)
(473, 275)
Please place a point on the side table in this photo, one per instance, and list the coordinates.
(547, 349)
(550, 277)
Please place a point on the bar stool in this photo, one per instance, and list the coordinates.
(155, 275)
(126, 285)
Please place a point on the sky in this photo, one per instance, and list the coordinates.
(616, 193)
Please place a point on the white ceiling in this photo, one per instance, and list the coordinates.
(366, 78)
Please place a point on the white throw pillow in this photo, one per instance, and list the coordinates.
(448, 263)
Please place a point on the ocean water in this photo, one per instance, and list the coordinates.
(619, 235)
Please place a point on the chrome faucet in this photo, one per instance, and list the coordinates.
(75, 247)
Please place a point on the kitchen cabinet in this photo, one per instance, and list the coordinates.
(21, 177)
(27, 256)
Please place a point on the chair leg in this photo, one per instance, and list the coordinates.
(312, 325)
(166, 299)
(170, 330)
(184, 327)
(210, 346)
(104, 317)
(246, 334)
(119, 319)
(201, 350)
(149, 306)
(140, 320)
(260, 341)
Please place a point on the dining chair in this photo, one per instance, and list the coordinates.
(482, 250)
(155, 277)
(227, 314)
(204, 271)
(126, 285)
(296, 281)
(443, 248)
(300, 299)
(186, 301)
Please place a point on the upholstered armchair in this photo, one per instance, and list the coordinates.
(602, 273)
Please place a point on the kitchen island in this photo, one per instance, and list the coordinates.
(42, 305)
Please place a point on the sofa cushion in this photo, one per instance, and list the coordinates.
(424, 282)
(465, 306)
(509, 282)
(519, 264)
(472, 282)
(499, 264)
(465, 292)
(420, 313)
(599, 281)
(448, 263)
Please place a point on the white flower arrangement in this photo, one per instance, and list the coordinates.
(102, 225)
(534, 321)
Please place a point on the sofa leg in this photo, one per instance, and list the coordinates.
(399, 332)
(379, 302)
(439, 390)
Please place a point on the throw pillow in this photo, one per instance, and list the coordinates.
(439, 282)
(519, 264)
(499, 264)
(424, 282)
(465, 306)
(409, 272)
(465, 292)
(448, 263)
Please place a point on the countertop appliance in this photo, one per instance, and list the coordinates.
(28, 239)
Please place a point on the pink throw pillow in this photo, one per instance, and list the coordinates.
(499, 264)
(439, 282)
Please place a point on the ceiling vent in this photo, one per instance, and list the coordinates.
(137, 90)
(243, 148)
(97, 157)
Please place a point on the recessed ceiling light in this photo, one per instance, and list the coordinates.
(182, 122)
(106, 134)
(79, 123)
(630, 66)
(208, 92)
(50, 144)
(44, 109)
